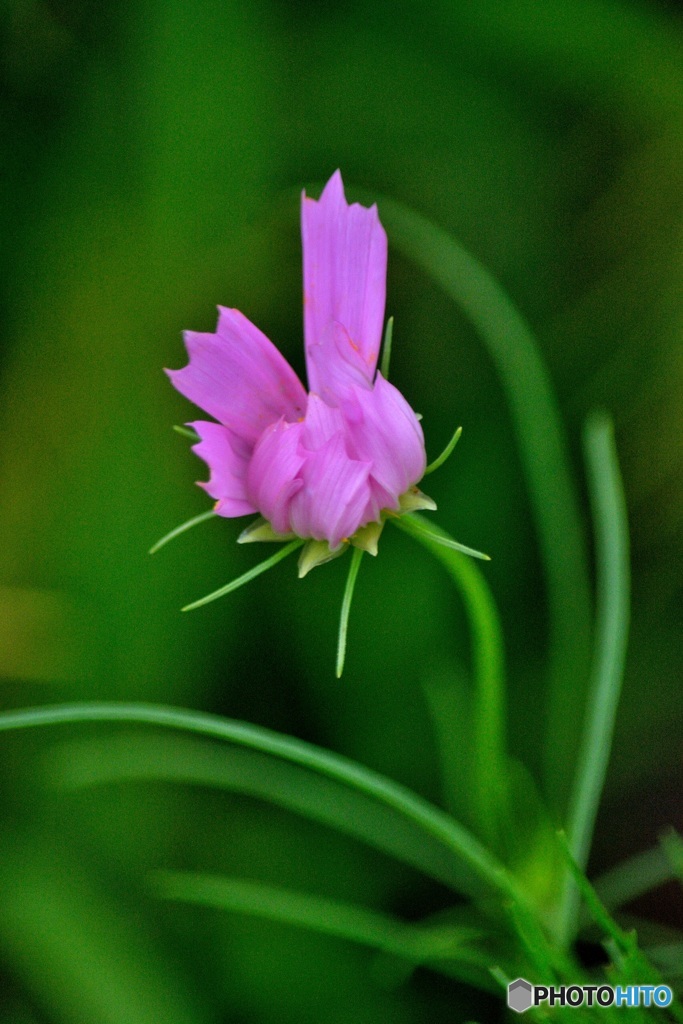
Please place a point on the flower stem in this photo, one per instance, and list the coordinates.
(543, 450)
(487, 655)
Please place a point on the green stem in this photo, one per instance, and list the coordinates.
(543, 452)
(487, 655)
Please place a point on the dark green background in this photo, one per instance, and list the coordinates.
(151, 160)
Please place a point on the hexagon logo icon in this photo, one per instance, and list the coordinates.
(520, 995)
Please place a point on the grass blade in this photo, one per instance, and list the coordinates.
(611, 631)
(247, 577)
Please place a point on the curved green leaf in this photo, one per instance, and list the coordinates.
(611, 632)
(433, 944)
(323, 786)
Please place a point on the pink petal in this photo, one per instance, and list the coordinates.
(273, 474)
(224, 454)
(334, 495)
(345, 269)
(321, 423)
(239, 377)
(382, 429)
(337, 365)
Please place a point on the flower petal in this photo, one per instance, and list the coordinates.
(345, 269)
(223, 453)
(321, 423)
(273, 475)
(239, 377)
(337, 365)
(388, 434)
(334, 496)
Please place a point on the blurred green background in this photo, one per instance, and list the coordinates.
(152, 155)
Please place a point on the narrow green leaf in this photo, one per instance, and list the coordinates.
(201, 518)
(672, 845)
(247, 577)
(611, 631)
(346, 608)
(489, 798)
(418, 943)
(543, 451)
(634, 877)
(386, 348)
(668, 958)
(321, 785)
(75, 945)
(445, 454)
(187, 432)
(443, 539)
(623, 945)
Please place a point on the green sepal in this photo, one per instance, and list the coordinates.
(261, 530)
(317, 552)
(415, 501)
(366, 537)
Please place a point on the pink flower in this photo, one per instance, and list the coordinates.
(325, 464)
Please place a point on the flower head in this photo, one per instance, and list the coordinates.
(327, 464)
